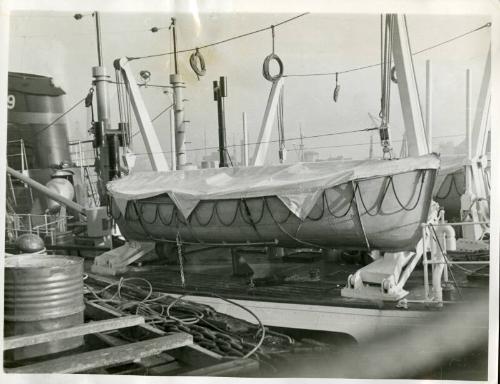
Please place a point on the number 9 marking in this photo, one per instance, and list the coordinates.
(11, 102)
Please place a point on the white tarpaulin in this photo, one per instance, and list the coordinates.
(449, 164)
(297, 185)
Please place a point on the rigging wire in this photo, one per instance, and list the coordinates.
(385, 99)
(62, 115)
(155, 118)
(142, 84)
(362, 144)
(355, 69)
(219, 42)
(281, 127)
(303, 137)
(487, 25)
(277, 140)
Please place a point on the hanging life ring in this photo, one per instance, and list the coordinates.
(196, 59)
(265, 68)
(393, 75)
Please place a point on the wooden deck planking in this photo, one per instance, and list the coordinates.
(108, 356)
(78, 330)
(205, 276)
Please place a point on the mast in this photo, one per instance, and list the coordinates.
(428, 103)
(220, 92)
(108, 156)
(245, 141)
(180, 127)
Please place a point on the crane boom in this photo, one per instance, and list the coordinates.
(153, 147)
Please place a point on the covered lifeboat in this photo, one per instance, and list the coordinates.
(375, 204)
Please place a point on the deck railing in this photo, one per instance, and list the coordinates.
(28, 223)
(83, 155)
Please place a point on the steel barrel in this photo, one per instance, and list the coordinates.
(42, 293)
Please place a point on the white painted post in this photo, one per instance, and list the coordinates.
(151, 141)
(424, 263)
(245, 140)
(468, 139)
(22, 156)
(173, 152)
(480, 128)
(410, 105)
(467, 200)
(260, 151)
(428, 103)
(180, 126)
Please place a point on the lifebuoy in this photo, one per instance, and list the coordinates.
(195, 59)
(265, 67)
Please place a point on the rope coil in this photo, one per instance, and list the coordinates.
(176, 314)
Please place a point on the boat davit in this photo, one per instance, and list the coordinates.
(366, 204)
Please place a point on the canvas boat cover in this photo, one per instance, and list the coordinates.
(297, 185)
(449, 164)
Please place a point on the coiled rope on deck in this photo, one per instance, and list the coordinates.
(175, 314)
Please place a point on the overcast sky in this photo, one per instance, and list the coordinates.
(57, 45)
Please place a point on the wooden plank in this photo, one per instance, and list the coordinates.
(169, 369)
(196, 355)
(227, 368)
(104, 312)
(147, 362)
(108, 356)
(190, 354)
(77, 330)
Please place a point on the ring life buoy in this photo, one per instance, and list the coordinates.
(195, 59)
(265, 67)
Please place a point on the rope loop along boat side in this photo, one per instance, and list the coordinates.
(451, 186)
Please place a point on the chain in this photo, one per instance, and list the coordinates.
(179, 255)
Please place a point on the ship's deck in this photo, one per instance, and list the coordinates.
(299, 279)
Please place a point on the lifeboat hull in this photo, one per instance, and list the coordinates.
(381, 212)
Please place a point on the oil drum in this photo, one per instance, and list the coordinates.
(42, 293)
